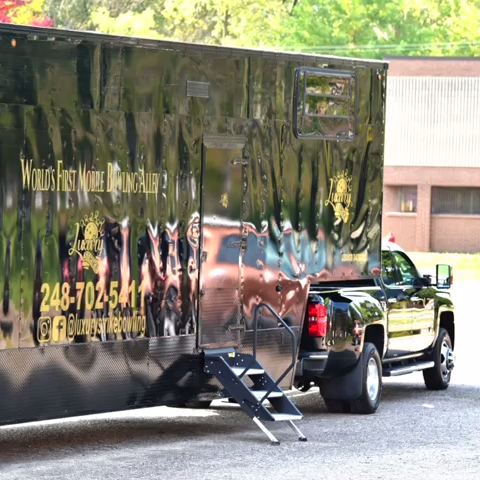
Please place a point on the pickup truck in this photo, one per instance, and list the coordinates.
(356, 333)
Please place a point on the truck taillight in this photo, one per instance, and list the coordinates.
(317, 320)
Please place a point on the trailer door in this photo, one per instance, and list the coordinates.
(221, 237)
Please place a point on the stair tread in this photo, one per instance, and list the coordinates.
(214, 352)
(261, 393)
(250, 371)
(285, 417)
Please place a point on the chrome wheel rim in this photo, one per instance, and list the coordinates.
(447, 359)
(373, 380)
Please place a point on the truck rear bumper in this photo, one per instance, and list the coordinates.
(324, 364)
(338, 374)
(311, 364)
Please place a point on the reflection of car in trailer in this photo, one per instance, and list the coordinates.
(181, 223)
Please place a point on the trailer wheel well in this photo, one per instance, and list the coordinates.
(375, 334)
(447, 322)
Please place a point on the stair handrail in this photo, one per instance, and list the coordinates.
(255, 337)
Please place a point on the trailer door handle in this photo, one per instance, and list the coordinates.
(241, 161)
(240, 328)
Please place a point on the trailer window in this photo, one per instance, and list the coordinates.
(325, 104)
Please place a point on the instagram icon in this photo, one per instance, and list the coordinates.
(44, 329)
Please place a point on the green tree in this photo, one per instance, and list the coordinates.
(219, 22)
(71, 14)
(375, 29)
(367, 28)
(140, 24)
(233, 22)
(80, 14)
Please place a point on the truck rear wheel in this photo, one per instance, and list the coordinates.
(369, 400)
(438, 377)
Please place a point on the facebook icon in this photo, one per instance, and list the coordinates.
(59, 328)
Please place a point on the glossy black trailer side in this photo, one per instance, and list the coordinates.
(152, 193)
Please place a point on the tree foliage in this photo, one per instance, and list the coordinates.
(131, 23)
(232, 22)
(374, 29)
(368, 28)
(24, 12)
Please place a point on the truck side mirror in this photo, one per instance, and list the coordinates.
(444, 276)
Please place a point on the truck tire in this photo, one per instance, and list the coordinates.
(438, 377)
(337, 406)
(369, 400)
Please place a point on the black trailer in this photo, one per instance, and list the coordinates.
(165, 208)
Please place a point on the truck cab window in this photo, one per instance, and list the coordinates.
(406, 270)
(389, 275)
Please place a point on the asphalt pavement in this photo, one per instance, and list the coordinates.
(415, 434)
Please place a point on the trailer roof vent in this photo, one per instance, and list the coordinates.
(325, 104)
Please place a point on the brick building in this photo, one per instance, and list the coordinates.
(432, 154)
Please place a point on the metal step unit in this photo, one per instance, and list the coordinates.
(230, 367)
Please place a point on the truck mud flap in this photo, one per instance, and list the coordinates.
(344, 387)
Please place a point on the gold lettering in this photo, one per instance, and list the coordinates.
(91, 181)
(110, 325)
(75, 243)
(37, 179)
(85, 245)
(132, 182)
(149, 182)
(26, 172)
(154, 182)
(66, 179)
(345, 198)
(142, 182)
(59, 175)
(354, 257)
(109, 177)
(327, 201)
(113, 324)
(135, 183)
(340, 196)
(62, 179)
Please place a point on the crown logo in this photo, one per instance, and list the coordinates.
(340, 195)
(91, 245)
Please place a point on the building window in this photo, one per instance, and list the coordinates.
(456, 200)
(407, 199)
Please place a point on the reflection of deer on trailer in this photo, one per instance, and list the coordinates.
(165, 209)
